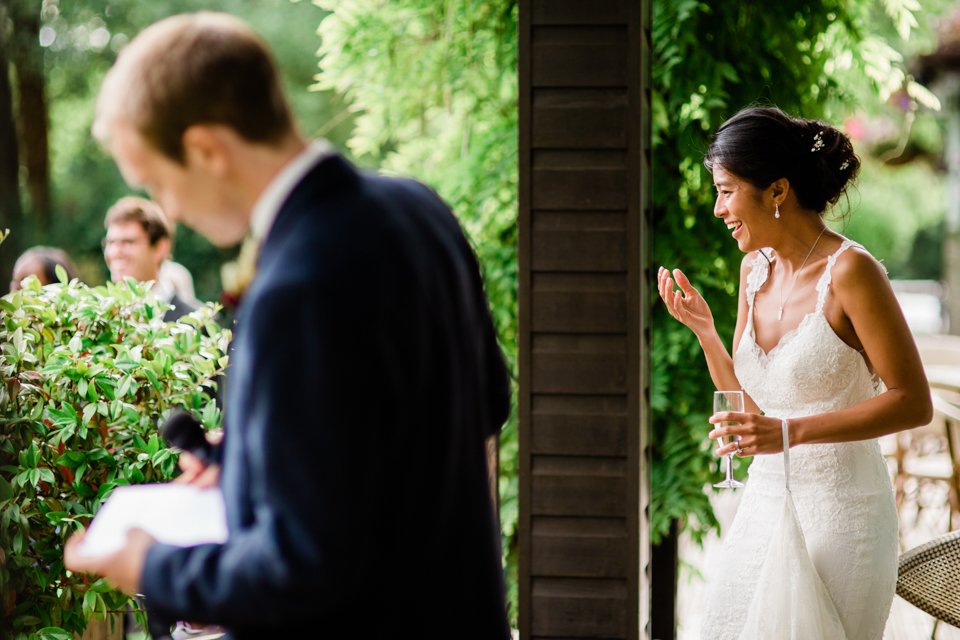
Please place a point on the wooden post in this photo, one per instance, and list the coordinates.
(583, 319)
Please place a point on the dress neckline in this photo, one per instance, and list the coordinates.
(823, 283)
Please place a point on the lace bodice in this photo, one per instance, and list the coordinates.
(810, 371)
(789, 380)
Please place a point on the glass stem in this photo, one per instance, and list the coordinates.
(729, 467)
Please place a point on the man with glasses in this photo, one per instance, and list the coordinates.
(139, 238)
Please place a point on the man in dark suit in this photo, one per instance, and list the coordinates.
(365, 377)
(138, 241)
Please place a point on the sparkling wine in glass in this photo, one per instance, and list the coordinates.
(728, 401)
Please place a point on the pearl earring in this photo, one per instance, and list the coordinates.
(776, 213)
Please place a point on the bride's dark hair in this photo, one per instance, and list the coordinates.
(763, 144)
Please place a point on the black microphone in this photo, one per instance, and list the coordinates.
(185, 432)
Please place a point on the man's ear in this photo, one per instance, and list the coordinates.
(161, 250)
(203, 148)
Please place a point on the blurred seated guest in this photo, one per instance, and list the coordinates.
(139, 238)
(41, 262)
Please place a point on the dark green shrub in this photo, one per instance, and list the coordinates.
(87, 373)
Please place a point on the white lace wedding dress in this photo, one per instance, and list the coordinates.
(842, 494)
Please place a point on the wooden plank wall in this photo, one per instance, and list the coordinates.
(584, 239)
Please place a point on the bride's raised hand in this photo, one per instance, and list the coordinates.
(685, 304)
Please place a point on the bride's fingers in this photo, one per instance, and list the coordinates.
(720, 417)
(683, 283)
(661, 280)
(665, 285)
(665, 282)
(670, 297)
(722, 432)
(730, 448)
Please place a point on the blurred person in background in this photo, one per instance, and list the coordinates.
(42, 262)
(139, 239)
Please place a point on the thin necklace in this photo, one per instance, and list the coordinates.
(796, 274)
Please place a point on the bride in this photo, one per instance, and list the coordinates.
(827, 364)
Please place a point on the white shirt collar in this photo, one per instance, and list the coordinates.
(268, 205)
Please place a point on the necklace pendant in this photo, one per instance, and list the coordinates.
(780, 314)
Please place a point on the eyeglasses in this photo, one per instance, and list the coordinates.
(123, 243)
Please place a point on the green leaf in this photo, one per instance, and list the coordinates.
(89, 411)
(18, 543)
(126, 385)
(30, 457)
(152, 378)
(89, 603)
(100, 586)
(107, 387)
(72, 458)
(153, 445)
(100, 455)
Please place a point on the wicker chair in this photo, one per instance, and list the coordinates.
(929, 578)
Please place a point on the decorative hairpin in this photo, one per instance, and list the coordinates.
(846, 163)
(817, 142)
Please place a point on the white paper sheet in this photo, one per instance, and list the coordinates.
(176, 514)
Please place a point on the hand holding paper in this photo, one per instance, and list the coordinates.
(135, 517)
(176, 514)
(122, 569)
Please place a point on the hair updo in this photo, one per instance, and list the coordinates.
(763, 144)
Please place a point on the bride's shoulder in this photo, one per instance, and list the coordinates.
(857, 266)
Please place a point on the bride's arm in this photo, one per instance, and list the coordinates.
(861, 288)
(689, 307)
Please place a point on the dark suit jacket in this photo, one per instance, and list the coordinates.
(365, 378)
(178, 309)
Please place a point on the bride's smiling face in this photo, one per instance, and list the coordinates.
(742, 208)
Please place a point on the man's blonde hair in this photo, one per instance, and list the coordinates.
(199, 68)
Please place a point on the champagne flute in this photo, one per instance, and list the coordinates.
(728, 401)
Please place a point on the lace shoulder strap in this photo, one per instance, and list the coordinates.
(759, 270)
(823, 285)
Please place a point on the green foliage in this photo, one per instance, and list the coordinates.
(86, 373)
(711, 59)
(895, 208)
(434, 88)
